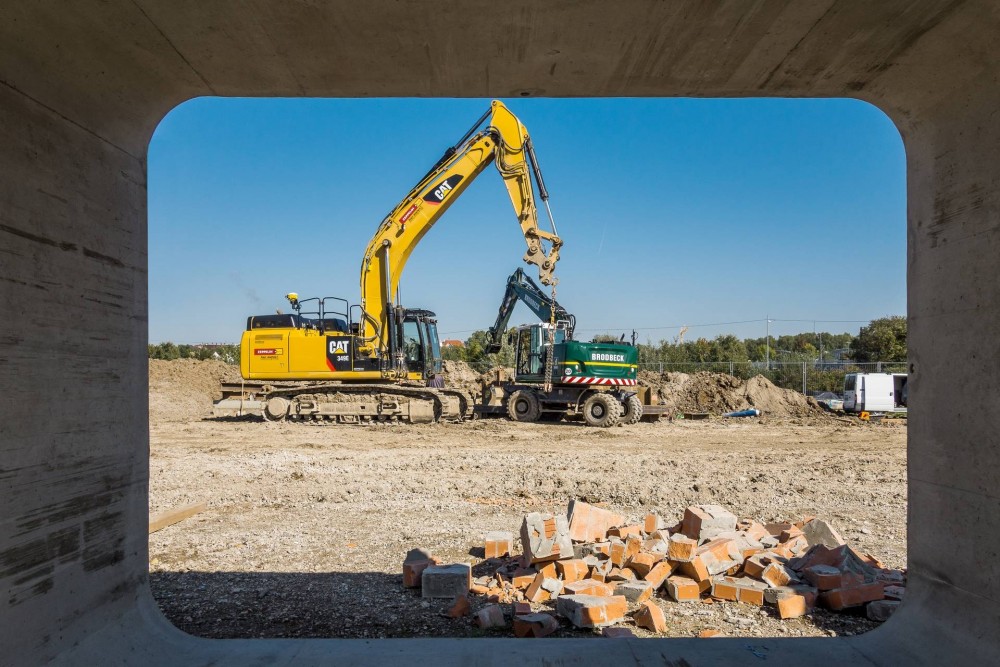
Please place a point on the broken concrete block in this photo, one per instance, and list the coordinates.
(651, 617)
(590, 524)
(490, 616)
(534, 625)
(683, 589)
(703, 522)
(819, 531)
(545, 537)
(894, 592)
(635, 591)
(446, 581)
(499, 544)
(553, 587)
(591, 611)
(880, 610)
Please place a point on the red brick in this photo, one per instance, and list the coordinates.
(792, 606)
(412, 573)
(622, 532)
(643, 562)
(824, 577)
(490, 616)
(587, 587)
(591, 611)
(855, 596)
(651, 523)
(749, 591)
(459, 608)
(660, 572)
(777, 574)
(534, 625)
(572, 570)
(711, 632)
(522, 578)
(499, 544)
(683, 589)
(535, 592)
(651, 617)
(588, 523)
(724, 589)
(703, 522)
(681, 548)
(521, 608)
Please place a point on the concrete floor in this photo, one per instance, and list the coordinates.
(82, 87)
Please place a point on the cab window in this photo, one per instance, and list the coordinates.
(411, 342)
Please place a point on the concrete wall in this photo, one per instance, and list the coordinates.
(83, 84)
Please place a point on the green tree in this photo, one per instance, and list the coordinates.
(883, 339)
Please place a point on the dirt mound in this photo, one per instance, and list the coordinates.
(184, 389)
(717, 393)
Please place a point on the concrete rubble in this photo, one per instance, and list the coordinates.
(595, 569)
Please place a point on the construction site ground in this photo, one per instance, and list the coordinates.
(307, 524)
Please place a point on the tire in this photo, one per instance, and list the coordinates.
(632, 410)
(524, 406)
(602, 410)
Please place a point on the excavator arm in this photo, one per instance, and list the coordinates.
(506, 143)
(522, 288)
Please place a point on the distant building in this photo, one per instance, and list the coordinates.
(452, 343)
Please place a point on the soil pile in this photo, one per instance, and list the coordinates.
(717, 393)
(183, 389)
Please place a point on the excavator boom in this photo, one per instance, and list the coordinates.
(505, 142)
(522, 288)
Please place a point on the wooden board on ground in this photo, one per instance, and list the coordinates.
(170, 517)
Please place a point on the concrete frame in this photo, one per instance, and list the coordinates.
(82, 86)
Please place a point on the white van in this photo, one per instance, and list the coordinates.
(875, 392)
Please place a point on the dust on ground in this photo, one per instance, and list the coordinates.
(308, 524)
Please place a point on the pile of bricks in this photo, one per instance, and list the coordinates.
(594, 569)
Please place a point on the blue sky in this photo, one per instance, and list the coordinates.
(673, 211)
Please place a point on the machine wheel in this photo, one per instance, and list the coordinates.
(632, 412)
(602, 410)
(524, 406)
(276, 409)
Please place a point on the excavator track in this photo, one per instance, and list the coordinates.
(345, 403)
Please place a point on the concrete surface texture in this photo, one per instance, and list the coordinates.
(84, 85)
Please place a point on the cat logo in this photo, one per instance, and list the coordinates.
(442, 189)
(337, 348)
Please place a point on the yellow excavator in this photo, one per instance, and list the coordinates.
(373, 361)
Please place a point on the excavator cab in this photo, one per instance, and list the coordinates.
(418, 342)
(531, 345)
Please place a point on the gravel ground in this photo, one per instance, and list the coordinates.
(308, 524)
